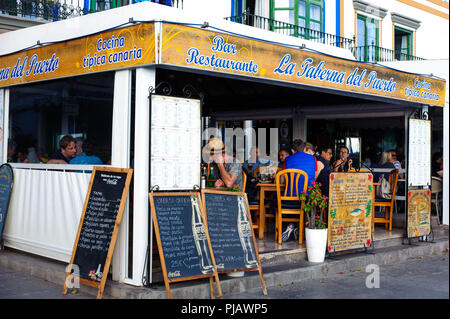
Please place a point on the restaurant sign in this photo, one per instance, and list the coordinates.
(109, 50)
(207, 50)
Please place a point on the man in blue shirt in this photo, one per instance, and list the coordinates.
(302, 161)
(86, 156)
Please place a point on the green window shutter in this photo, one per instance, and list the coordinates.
(367, 39)
(284, 13)
(303, 18)
(403, 43)
(93, 6)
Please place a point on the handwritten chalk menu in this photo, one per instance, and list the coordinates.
(350, 211)
(6, 183)
(230, 229)
(419, 153)
(99, 225)
(175, 143)
(419, 213)
(183, 241)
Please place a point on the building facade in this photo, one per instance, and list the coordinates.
(112, 58)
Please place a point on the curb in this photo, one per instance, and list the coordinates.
(278, 274)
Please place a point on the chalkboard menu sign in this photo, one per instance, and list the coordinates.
(99, 225)
(230, 229)
(182, 237)
(6, 184)
(419, 213)
(350, 211)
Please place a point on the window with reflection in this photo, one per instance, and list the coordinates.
(367, 39)
(40, 114)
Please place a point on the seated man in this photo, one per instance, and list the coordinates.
(226, 167)
(302, 161)
(66, 152)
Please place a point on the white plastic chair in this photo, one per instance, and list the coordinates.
(436, 189)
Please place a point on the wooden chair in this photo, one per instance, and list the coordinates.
(252, 205)
(287, 204)
(256, 172)
(271, 170)
(387, 203)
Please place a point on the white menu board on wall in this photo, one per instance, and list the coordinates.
(419, 153)
(175, 149)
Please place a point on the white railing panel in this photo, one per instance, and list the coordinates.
(45, 210)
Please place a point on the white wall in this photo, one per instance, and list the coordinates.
(432, 37)
(208, 9)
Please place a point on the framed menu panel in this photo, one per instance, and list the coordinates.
(419, 213)
(175, 149)
(350, 211)
(419, 153)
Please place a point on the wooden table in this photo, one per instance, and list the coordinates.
(263, 188)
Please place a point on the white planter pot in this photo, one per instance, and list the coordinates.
(316, 244)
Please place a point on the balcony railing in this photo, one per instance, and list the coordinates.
(55, 10)
(373, 53)
(292, 30)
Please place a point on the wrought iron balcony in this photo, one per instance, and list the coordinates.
(292, 30)
(55, 10)
(373, 53)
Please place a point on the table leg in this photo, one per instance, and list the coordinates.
(262, 213)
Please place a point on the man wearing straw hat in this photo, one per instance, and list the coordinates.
(229, 169)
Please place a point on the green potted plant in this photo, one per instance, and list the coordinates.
(234, 188)
(314, 204)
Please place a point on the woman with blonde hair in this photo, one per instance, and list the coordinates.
(385, 162)
(386, 157)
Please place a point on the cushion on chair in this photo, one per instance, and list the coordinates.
(290, 204)
(382, 200)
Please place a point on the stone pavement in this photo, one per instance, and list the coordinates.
(36, 277)
(420, 277)
(16, 284)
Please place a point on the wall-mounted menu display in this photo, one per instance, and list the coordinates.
(99, 226)
(419, 153)
(175, 143)
(350, 211)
